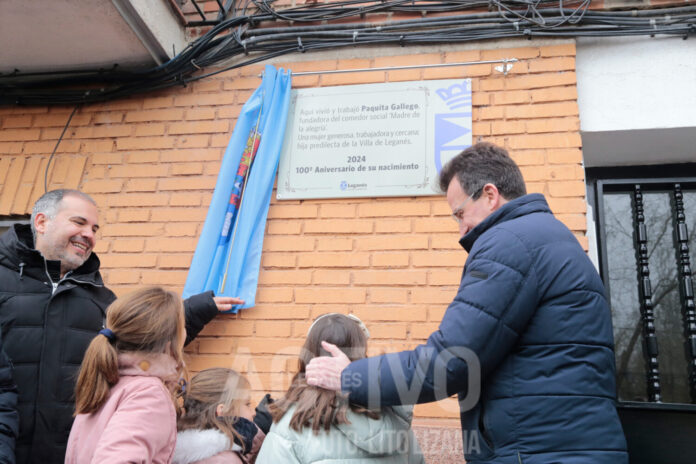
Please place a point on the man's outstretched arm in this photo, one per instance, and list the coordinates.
(202, 308)
(496, 298)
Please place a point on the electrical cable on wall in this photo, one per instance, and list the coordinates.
(50, 158)
(246, 39)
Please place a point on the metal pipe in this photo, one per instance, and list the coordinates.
(417, 66)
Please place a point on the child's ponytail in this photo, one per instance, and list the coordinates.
(148, 320)
(98, 374)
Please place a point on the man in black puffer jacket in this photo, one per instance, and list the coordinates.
(52, 303)
(9, 420)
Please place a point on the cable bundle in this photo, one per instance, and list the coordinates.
(246, 39)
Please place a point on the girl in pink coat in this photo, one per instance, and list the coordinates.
(127, 386)
(217, 424)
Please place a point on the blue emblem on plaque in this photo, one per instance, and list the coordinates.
(344, 185)
(452, 129)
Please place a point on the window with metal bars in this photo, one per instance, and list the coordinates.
(646, 223)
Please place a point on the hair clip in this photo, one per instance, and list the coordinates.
(182, 387)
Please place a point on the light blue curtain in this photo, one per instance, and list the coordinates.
(228, 254)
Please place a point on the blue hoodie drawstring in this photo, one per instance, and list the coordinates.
(21, 270)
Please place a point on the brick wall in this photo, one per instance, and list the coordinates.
(151, 163)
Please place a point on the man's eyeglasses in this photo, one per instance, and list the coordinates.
(458, 213)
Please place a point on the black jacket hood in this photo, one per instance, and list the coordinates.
(17, 252)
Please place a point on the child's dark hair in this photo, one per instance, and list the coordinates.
(316, 407)
(481, 164)
(208, 389)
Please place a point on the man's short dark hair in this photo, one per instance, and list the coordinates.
(49, 202)
(481, 164)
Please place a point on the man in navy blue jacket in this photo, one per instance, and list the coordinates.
(527, 342)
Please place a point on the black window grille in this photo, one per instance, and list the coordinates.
(646, 218)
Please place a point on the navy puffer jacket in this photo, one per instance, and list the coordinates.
(531, 308)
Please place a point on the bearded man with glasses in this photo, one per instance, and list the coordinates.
(529, 328)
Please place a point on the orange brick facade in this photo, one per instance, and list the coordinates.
(151, 164)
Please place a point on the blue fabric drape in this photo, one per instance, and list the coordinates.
(232, 237)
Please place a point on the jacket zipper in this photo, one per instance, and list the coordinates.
(54, 285)
(43, 340)
(50, 299)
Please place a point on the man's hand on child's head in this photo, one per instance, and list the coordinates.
(325, 371)
(225, 303)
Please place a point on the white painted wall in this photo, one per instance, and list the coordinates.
(630, 83)
(637, 100)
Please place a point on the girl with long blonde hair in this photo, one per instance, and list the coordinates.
(217, 425)
(125, 398)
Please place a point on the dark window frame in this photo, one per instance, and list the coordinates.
(7, 221)
(622, 179)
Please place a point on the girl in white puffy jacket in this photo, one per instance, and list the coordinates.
(217, 424)
(316, 425)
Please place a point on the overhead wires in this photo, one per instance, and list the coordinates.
(247, 38)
